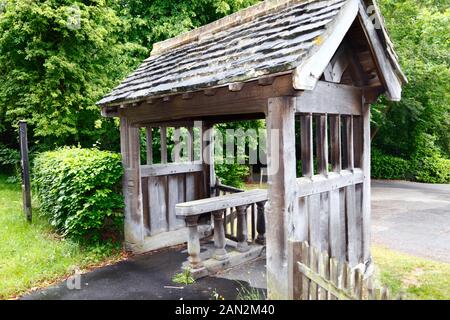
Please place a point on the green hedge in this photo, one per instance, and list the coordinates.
(390, 167)
(79, 191)
(430, 168)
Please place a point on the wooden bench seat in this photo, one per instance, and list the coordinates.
(217, 206)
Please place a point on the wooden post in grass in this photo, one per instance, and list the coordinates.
(26, 185)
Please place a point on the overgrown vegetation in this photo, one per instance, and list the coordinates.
(32, 255)
(79, 192)
(184, 278)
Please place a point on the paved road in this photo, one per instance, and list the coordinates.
(412, 218)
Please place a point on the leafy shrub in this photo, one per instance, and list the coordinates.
(79, 191)
(390, 167)
(429, 164)
(9, 158)
(232, 174)
(432, 169)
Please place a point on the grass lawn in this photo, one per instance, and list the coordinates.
(31, 255)
(419, 279)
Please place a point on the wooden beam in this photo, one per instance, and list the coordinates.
(158, 170)
(210, 92)
(220, 203)
(321, 183)
(252, 99)
(267, 81)
(330, 98)
(236, 87)
(386, 71)
(309, 72)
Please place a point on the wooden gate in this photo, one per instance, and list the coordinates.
(316, 276)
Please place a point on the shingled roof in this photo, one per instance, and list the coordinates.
(274, 37)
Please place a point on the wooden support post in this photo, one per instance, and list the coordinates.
(283, 215)
(261, 223)
(130, 148)
(366, 194)
(195, 262)
(219, 236)
(26, 185)
(242, 229)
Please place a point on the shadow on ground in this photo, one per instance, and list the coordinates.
(144, 277)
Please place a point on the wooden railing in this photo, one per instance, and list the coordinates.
(218, 207)
(255, 215)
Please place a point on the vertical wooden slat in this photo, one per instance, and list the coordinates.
(157, 193)
(322, 159)
(163, 141)
(208, 158)
(314, 220)
(334, 274)
(295, 276)
(314, 265)
(157, 204)
(309, 205)
(306, 127)
(173, 200)
(190, 178)
(337, 218)
(322, 144)
(324, 271)
(305, 259)
(350, 198)
(149, 135)
(177, 145)
(359, 283)
(335, 142)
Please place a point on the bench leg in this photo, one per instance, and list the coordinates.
(219, 236)
(195, 262)
(242, 229)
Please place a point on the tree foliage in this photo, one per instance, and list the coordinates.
(58, 57)
(420, 31)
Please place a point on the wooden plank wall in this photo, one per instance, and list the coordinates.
(331, 185)
(176, 179)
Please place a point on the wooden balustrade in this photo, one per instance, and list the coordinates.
(218, 206)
